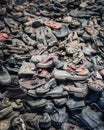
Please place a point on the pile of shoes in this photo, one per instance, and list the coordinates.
(51, 65)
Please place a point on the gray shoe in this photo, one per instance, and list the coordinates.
(69, 126)
(90, 118)
(35, 104)
(64, 75)
(58, 64)
(59, 117)
(80, 91)
(74, 106)
(27, 68)
(46, 88)
(56, 92)
(60, 102)
(5, 78)
(45, 121)
(6, 112)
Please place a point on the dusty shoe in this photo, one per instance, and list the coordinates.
(28, 83)
(6, 112)
(96, 85)
(90, 118)
(5, 124)
(38, 58)
(45, 121)
(58, 64)
(56, 93)
(47, 62)
(36, 104)
(50, 38)
(59, 117)
(46, 88)
(60, 102)
(18, 123)
(28, 40)
(49, 107)
(80, 90)
(15, 92)
(4, 76)
(69, 126)
(74, 106)
(62, 32)
(64, 75)
(17, 104)
(27, 68)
